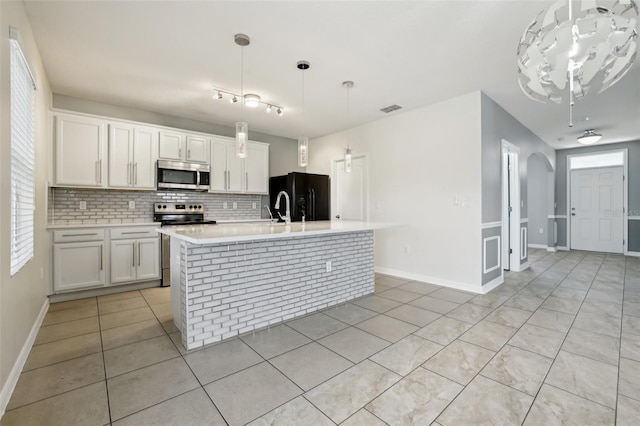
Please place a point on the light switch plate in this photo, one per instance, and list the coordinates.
(82, 205)
(132, 205)
(254, 205)
(224, 205)
(235, 205)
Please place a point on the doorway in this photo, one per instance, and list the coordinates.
(510, 207)
(350, 191)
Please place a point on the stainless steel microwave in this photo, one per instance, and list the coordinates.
(179, 175)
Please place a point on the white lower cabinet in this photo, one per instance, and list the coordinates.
(79, 259)
(135, 255)
(86, 258)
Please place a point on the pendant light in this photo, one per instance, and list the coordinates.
(303, 141)
(347, 152)
(242, 129)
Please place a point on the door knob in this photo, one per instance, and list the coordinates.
(573, 214)
(337, 216)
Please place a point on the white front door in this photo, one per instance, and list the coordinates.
(597, 209)
(349, 190)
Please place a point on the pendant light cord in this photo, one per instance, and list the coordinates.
(241, 83)
(348, 116)
(303, 114)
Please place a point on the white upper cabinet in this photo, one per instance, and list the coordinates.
(197, 149)
(171, 145)
(257, 168)
(180, 147)
(232, 174)
(145, 156)
(80, 151)
(218, 178)
(133, 152)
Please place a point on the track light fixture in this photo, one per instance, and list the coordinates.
(251, 100)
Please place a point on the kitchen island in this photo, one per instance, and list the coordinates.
(235, 278)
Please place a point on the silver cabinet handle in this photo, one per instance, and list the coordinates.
(135, 173)
(128, 173)
(179, 152)
(138, 253)
(97, 178)
(101, 257)
(134, 232)
(100, 170)
(133, 257)
(188, 154)
(225, 179)
(79, 235)
(246, 181)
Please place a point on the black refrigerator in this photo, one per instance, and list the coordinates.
(309, 194)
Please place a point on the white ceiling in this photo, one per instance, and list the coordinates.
(165, 56)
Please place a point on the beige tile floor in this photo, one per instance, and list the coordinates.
(556, 344)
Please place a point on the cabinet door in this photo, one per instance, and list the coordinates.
(148, 258)
(80, 147)
(120, 153)
(257, 169)
(123, 261)
(145, 156)
(197, 149)
(171, 145)
(78, 265)
(218, 165)
(235, 169)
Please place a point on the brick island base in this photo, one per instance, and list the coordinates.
(228, 289)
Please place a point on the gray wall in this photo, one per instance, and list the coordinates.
(283, 152)
(498, 124)
(633, 179)
(537, 187)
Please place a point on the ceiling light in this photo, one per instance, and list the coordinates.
(348, 159)
(589, 137)
(268, 109)
(217, 95)
(566, 53)
(251, 100)
(242, 128)
(234, 99)
(280, 112)
(303, 141)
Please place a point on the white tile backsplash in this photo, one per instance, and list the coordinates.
(112, 206)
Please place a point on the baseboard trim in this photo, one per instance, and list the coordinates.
(14, 375)
(552, 249)
(563, 248)
(538, 246)
(486, 288)
(633, 253)
(429, 279)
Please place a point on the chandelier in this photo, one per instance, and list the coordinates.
(576, 47)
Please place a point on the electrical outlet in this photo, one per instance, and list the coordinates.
(83, 205)
(224, 205)
(235, 205)
(328, 266)
(253, 205)
(132, 205)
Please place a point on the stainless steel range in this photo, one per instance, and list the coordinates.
(176, 214)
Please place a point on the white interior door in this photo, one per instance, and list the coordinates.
(597, 209)
(350, 190)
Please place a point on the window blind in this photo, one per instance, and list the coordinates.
(22, 157)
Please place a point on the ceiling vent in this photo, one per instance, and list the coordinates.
(390, 108)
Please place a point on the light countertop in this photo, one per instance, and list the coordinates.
(252, 231)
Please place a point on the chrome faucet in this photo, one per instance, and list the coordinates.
(270, 215)
(287, 216)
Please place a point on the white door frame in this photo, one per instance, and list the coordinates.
(514, 224)
(625, 194)
(339, 162)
